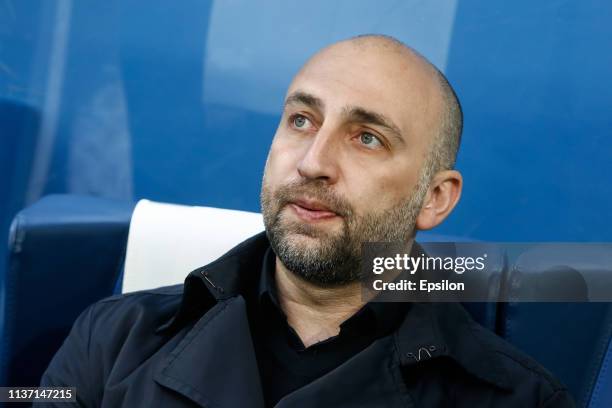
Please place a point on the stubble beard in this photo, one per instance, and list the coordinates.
(333, 258)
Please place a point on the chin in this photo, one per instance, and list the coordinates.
(304, 238)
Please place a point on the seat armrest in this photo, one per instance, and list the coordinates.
(65, 252)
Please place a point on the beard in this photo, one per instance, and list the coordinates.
(329, 258)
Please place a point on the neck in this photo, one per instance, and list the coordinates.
(314, 312)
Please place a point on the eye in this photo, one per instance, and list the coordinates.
(369, 140)
(300, 121)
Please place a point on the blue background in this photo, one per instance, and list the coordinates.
(178, 101)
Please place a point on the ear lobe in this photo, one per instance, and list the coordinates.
(442, 197)
(426, 218)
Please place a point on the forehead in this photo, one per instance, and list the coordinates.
(389, 82)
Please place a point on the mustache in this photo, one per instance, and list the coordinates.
(316, 190)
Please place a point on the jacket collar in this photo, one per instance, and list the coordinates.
(429, 329)
(220, 280)
(215, 356)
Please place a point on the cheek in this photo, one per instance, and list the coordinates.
(378, 188)
(282, 160)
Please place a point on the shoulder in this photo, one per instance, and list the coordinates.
(506, 372)
(522, 373)
(157, 295)
(512, 358)
(148, 307)
(121, 325)
(114, 322)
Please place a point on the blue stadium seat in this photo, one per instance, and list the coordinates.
(601, 396)
(571, 339)
(65, 252)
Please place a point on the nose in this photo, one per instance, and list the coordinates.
(320, 160)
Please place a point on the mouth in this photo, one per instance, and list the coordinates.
(312, 210)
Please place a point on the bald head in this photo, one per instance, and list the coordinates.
(446, 132)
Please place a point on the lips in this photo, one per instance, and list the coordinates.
(312, 210)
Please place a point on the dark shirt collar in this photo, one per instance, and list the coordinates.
(428, 330)
(378, 318)
(267, 283)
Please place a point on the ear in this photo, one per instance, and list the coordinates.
(442, 197)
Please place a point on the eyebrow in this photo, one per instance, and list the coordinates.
(303, 98)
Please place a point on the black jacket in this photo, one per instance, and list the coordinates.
(189, 345)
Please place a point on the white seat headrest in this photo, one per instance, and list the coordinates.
(167, 241)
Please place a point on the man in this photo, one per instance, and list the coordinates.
(364, 152)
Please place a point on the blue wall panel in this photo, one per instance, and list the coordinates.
(534, 78)
(179, 101)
